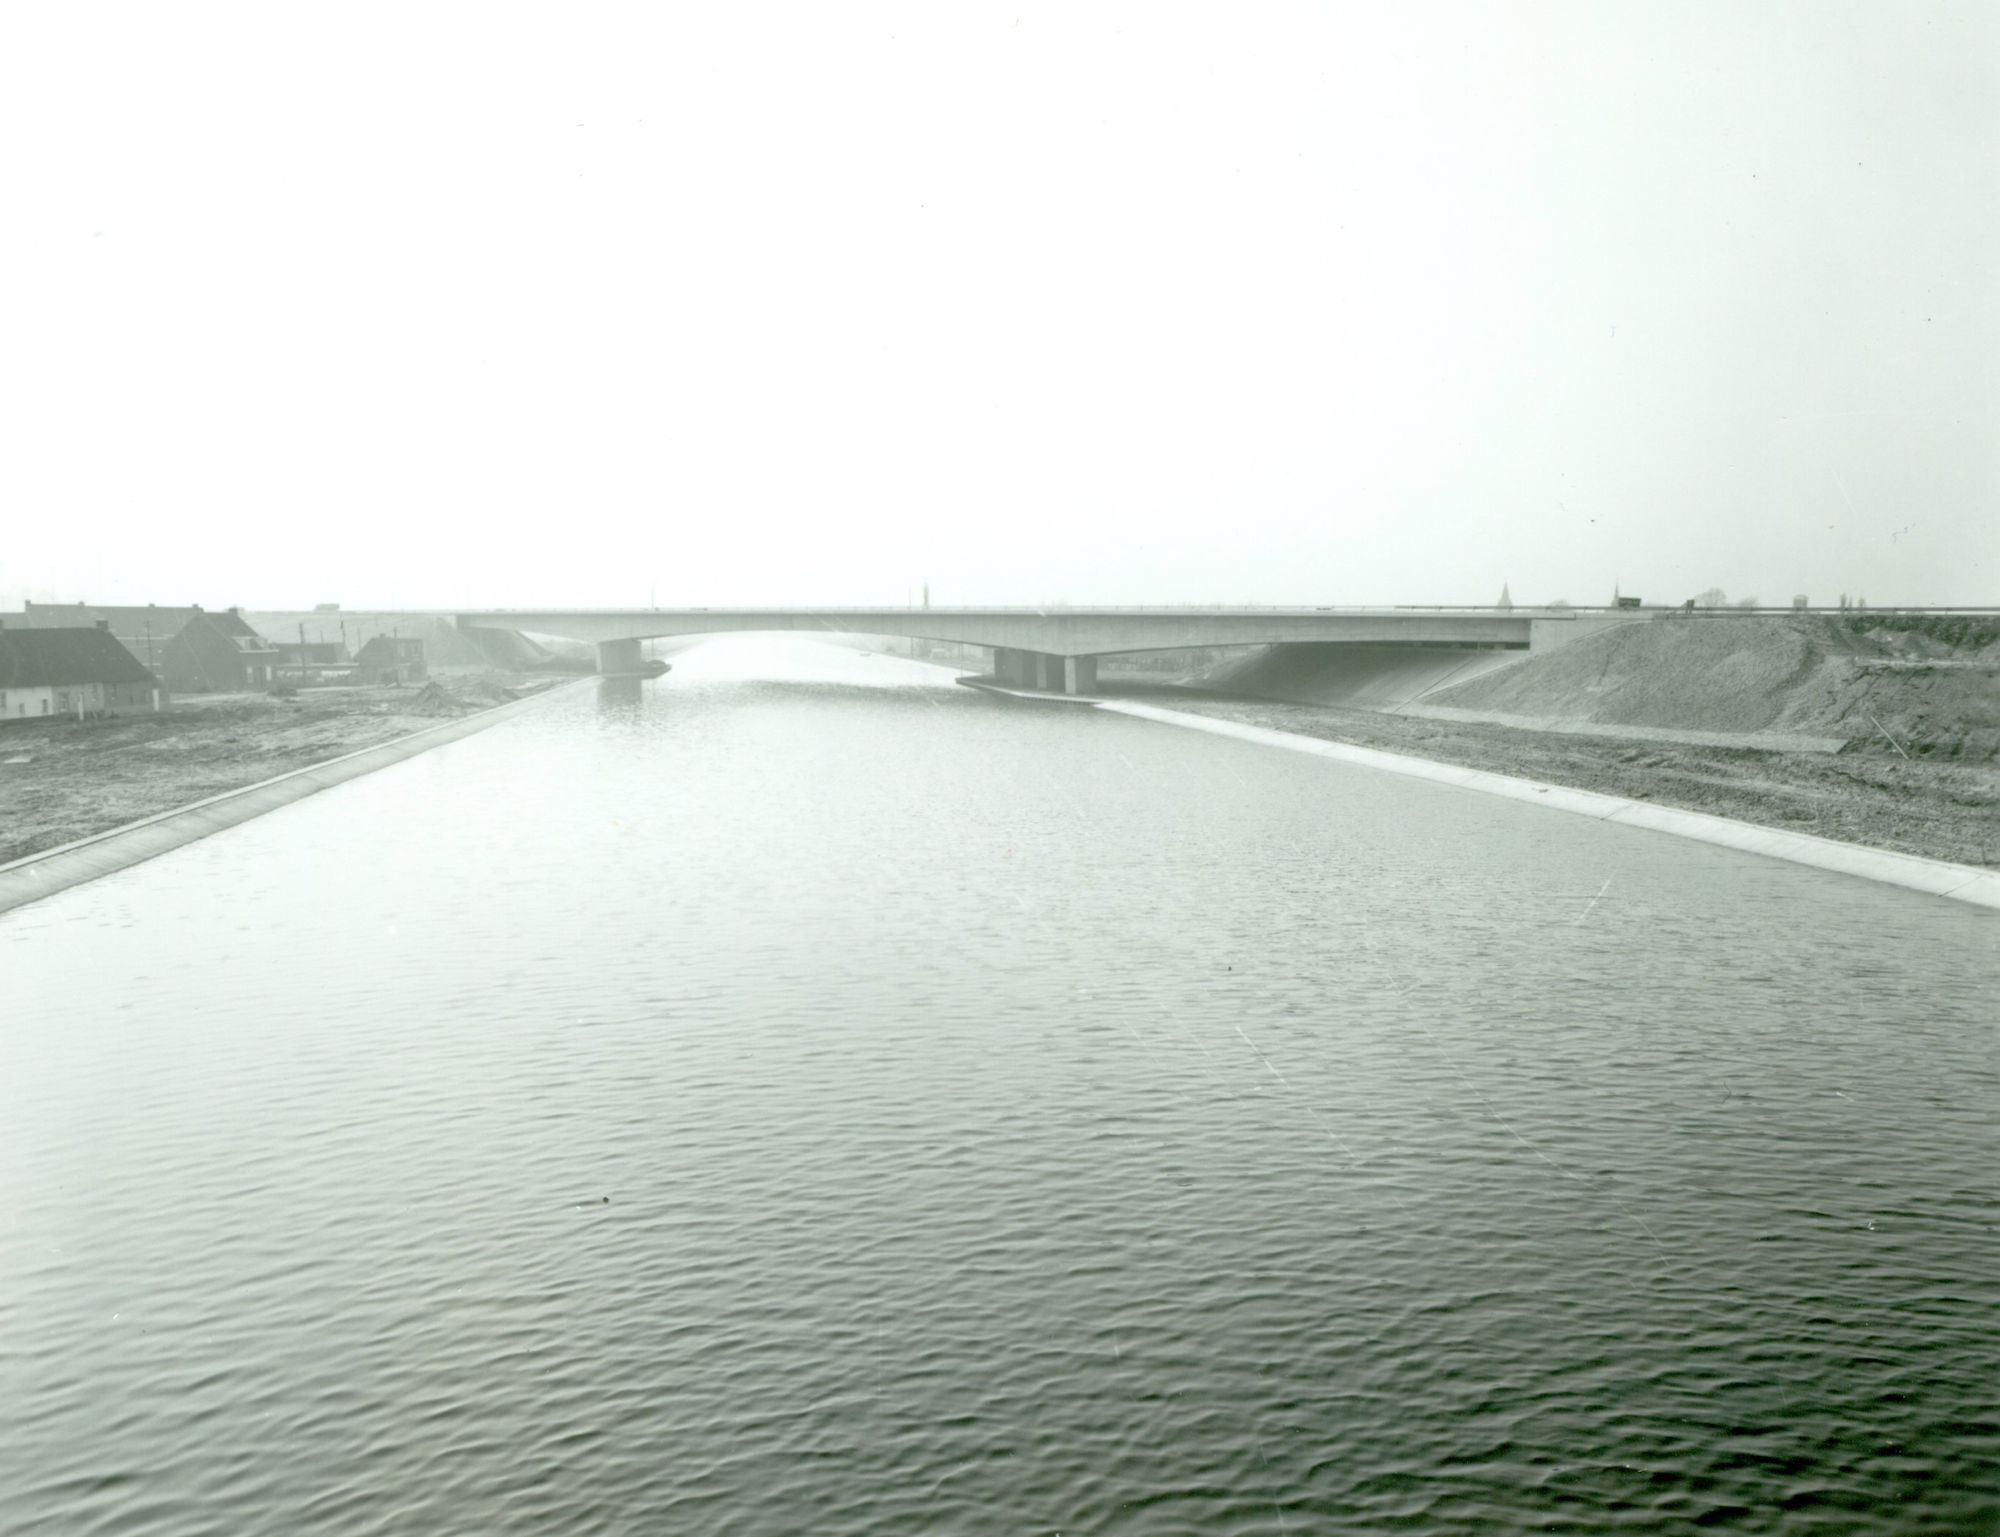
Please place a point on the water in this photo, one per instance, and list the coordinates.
(844, 1103)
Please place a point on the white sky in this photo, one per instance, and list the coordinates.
(453, 304)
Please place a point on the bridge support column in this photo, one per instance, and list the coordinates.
(1079, 675)
(618, 658)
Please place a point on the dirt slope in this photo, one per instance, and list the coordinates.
(1892, 683)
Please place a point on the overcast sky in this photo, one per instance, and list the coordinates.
(459, 304)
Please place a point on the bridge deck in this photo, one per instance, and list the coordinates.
(1095, 631)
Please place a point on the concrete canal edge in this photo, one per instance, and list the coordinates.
(71, 864)
(1961, 883)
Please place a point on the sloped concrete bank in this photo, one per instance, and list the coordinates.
(1960, 883)
(51, 870)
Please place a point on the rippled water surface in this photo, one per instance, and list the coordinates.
(842, 1103)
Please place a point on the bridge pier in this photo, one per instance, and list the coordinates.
(618, 658)
(1039, 670)
(1016, 669)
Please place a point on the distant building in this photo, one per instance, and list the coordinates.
(218, 653)
(312, 653)
(391, 659)
(311, 661)
(46, 672)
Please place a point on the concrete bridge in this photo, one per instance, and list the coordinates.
(1057, 648)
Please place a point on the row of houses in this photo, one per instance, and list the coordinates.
(88, 659)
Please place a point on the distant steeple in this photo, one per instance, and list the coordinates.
(1506, 599)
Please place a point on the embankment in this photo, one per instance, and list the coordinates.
(96, 783)
(1964, 883)
(1872, 729)
(1895, 685)
(1915, 685)
(1355, 677)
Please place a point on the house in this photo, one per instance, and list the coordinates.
(67, 671)
(391, 659)
(153, 634)
(143, 630)
(217, 653)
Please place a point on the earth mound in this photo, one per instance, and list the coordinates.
(1909, 684)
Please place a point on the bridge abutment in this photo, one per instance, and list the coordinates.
(1016, 668)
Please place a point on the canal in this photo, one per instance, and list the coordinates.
(815, 1097)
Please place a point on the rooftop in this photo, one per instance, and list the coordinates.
(38, 657)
